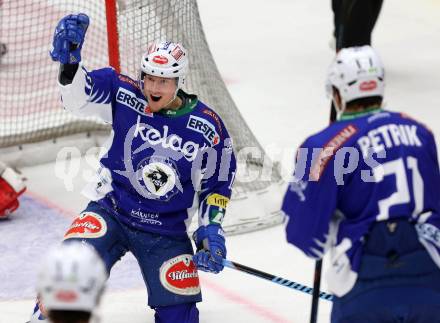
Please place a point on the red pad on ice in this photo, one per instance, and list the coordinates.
(8, 198)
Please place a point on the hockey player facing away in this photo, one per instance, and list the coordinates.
(366, 189)
(71, 282)
(11, 187)
(169, 156)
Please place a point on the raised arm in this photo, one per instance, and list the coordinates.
(83, 93)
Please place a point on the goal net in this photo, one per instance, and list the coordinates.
(31, 112)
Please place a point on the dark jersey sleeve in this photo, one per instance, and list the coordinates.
(217, 179)
(310, 200)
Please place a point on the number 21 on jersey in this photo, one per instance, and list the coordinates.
(398, 168)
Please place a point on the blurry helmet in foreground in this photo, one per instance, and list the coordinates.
(357, 72)
(71, 278)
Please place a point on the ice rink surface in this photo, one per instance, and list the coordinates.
(273, 56)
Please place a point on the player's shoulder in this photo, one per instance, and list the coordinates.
(129, 90)
(335, 135)
(340, 133)
(208, 113)
(386, 117)
(127, 81)
(210, 117)
(102, 72)
(122, 80)
(410, 119)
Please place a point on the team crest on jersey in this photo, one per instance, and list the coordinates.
(159, 176)
(204, 127)
(179, 275)
(87, 225)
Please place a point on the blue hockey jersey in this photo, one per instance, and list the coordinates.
(159, 168)
(367, 167)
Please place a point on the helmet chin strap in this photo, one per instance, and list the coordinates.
(172, 99)
(175, 93)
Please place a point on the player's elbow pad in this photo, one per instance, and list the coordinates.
(67, 73)
(73, 95)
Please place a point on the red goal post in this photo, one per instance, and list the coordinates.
(112, 34)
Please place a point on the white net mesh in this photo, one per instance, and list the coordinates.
(30, 109)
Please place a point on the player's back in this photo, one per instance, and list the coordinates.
(365, 168)
(369, 167)
(397, 173)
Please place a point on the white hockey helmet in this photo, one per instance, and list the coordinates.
(71, 278)
(357, 72)
(165, 59)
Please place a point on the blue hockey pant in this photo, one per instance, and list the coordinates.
(165, 261)
(398, 282)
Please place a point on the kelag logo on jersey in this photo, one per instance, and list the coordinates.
(154, 137)
(130, 100)
(204, 127)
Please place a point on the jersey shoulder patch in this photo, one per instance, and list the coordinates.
(129, 80)
(212, 116)
(328, 147)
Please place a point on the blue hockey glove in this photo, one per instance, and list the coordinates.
(211, 248)
(68, 39)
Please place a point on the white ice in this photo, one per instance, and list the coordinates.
(274, 56)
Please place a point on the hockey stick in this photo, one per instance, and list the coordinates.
(275, 279)
(315, 295)
(318, 263)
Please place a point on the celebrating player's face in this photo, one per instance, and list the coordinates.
(159, 91)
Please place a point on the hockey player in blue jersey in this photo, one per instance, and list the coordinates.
(169, 156)
(367, 189)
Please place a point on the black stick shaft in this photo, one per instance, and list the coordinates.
(315, 295)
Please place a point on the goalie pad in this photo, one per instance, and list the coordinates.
(11, 187)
